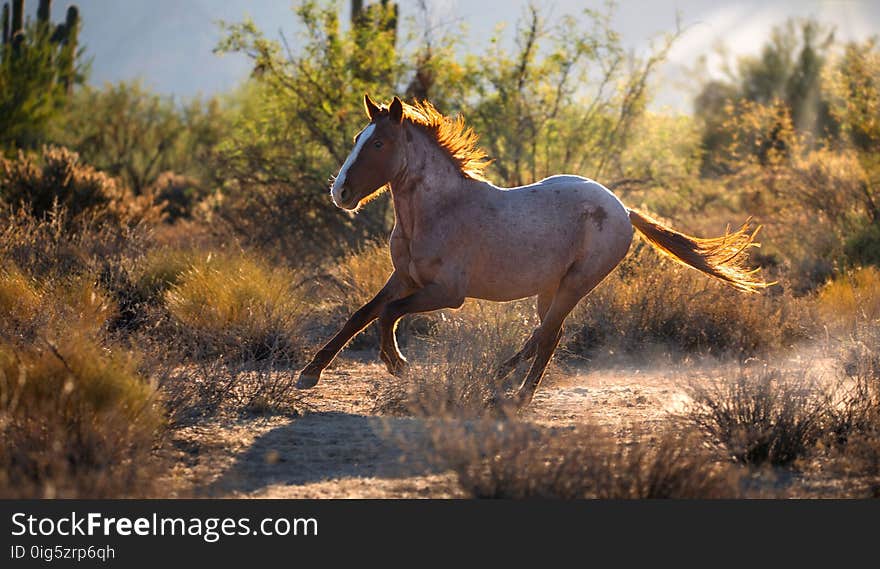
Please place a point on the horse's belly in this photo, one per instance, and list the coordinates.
(519, 270)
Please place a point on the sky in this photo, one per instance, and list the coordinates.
(169, 43)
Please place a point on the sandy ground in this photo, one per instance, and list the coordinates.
(337, 446)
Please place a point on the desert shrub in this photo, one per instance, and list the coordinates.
(212, 387)
(455, 363)
(506, 459)
(179, 195)
(761, 417)
(56, 247)
(238, 334)
(863, 246)
(649, 300)
(855, 420)
(77, 421)
(236, 307)
(788, 72)
(58, 178)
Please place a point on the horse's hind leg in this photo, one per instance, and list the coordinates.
(389, 352)
(576, 284)
(393, 289)
(528, 350)
(546, 339)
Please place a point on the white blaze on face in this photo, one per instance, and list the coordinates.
(340, 179)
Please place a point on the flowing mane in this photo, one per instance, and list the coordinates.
(453, 135)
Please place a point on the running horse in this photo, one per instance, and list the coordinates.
(458, 236)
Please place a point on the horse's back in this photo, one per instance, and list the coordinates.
(566, 196)
(539, 231)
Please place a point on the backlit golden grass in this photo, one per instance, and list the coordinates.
(162, 269)
(650, 301)
(77, 417)
(19, 299)
(851, 298)
(236, 306)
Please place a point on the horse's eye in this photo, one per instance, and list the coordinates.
(377, 143)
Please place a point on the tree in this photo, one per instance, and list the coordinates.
(295, 125)
(135, 135)
(788, 71)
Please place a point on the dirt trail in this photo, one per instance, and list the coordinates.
(339, 447)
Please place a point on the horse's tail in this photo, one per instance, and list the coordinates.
(719, 257)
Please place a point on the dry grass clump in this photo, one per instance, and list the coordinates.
(649, 300)
(20, 301)
(850, 299)
(77, 420)
(31, 311)
(78, 417)
(454, 368)
(236, 307)
(361, 275)
(509, 459)
(161, 269)
(764, 417)
(207, 388)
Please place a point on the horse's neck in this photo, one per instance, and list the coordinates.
(429, 180)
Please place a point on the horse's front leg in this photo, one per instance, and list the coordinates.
(431, 297)
(395, 288)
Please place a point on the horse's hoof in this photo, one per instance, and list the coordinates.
(307, 380)
(523, 399)
(398, 370)
(396, 367)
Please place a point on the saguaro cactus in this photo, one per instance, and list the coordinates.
(5, 23)
(69, 43)
(17, 17)
(361, 16)
(64, 36)
(44, 10)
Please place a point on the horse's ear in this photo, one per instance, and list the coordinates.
(371, 107)
(396, 110)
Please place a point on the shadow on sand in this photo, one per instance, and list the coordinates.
(325, 446)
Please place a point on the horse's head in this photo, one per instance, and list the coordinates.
(376, 157)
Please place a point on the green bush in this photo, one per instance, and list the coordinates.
(136, 136)
(863, 246)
